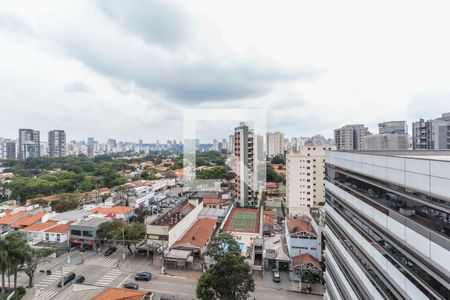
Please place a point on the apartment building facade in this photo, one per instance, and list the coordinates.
(387, 230)
(57, 143)
(244, 191)
(275, 144)
(432, 134)
(350, 137)
(305, 171)
(29, 144)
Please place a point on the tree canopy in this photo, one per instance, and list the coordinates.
(230, 277)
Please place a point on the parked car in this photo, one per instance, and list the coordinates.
(131, 286)
(79, 279)
(110, 251)
(145, 276)
(67, 279)
(276, 276)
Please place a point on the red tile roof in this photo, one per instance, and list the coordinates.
(39, 227)
(112, 210)
(209, 201)
(272, 185)
(305, 258)
(120, 294)
(61, 228)
(299, 225)
(199, 233)
(29, 220)
(270, 213)
(269, 221)
(9, 218)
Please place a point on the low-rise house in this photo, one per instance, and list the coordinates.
(276, 256)
(84, 232)
(29, 219)
(36, 232)
(301, 237)
(196, 238)
(302, 262)
(59, 233)
(9, 219)
(115, 212)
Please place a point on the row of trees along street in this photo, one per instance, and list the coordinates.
(16, 255)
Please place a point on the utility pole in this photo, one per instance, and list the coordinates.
(62, 277)
(123, 243)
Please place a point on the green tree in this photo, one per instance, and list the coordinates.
(228, 279)
(134, 233)
(279, 159)
(221, 243)
(18, 252)
(125, 192)
(36, 257)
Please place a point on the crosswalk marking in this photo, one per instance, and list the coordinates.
(108, 277)
(55, 277)
(107, 262)
(45, 295)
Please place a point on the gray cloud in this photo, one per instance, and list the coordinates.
(77, 86)
(153, 20)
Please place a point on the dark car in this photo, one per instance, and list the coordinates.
(276, 276)
(145, 276)
(67, 279)
(79, 279)
(131, 286)
(110, 251)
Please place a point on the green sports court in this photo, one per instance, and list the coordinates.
(243, 220)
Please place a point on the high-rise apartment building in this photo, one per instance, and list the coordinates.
(29, 143)
(90, 141)
(9, 150)
(56, 143)
(387, 230)
(350, 137)
(305, 171)
(432, 134)
(244, 191)
(275, 144)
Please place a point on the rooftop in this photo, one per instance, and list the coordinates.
(72, 215)
(112, 210)
(39, 227)
(442, 155)
(91, 221)
(61, 228)
(199, 233)
(29, 220)
(304, 259)
(300, 225)
(9, 218)
(120, 294)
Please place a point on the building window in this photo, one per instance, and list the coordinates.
(47, 236)
(58, 237)
(75, 232)
(88, 233)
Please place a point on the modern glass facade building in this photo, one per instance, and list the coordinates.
(387, 230)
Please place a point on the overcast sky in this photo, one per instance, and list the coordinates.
(127, 69)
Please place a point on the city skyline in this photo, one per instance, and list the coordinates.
(208, 55)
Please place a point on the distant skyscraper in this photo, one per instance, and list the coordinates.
(432, 134)
(244, 153)
(90, 141)
(350, 137)
(140, 142)
(57, 143)
(275, 144)
(29, 143)
(7, 149)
